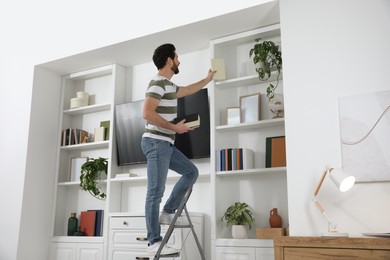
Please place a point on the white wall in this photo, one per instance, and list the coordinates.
(331, 49)
(331, 40)
(34, 32)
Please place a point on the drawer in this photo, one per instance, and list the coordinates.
(138, 239)
(128, 223)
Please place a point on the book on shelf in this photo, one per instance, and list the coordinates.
(98, 221)
(87, 222)
(99, 134)
(233, 159)
(106, 125)
(218, 65)
(71, 136)
(275, 151)
(192, 120)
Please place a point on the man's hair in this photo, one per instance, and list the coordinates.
(162, 53)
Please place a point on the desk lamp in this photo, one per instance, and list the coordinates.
(344, 182)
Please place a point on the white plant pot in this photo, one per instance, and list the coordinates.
(239, 232)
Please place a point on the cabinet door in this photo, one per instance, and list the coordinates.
(235, 253)
(89, 251)
(62, 251)
(264, 254)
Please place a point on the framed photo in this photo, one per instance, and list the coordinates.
(233, 115)
(250, 108)
(75, 167)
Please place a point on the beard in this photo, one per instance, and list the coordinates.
(175, 69)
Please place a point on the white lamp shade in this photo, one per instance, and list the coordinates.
(343, 181)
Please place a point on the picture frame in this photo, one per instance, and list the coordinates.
(233, 115)
(250, 108)
(75, 164)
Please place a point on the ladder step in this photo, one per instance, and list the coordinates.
(161, 256)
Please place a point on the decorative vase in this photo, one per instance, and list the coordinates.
(275, 220)
(276, 105)
(239, 232)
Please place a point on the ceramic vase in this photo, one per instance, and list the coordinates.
(239, 232)
(275, 220)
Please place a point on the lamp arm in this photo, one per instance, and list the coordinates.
(317, 190)
(330, 222)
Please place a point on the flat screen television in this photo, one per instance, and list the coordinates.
(130, 127)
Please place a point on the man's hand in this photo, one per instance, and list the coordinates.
(181, 128)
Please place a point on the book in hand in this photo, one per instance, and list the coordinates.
(192, 120)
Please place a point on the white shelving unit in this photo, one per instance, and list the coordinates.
(106, 86)
(262, 188)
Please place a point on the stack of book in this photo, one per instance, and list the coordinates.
(233, 159)
(91, 222)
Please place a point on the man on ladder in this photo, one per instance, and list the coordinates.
(160, 108)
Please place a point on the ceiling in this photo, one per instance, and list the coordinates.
(187, 38)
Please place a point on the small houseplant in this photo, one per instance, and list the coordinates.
(238, 215)
(90, 177)
(268, 57)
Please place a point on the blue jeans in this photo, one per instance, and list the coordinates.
(161, 156)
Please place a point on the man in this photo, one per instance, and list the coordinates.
(160, 108)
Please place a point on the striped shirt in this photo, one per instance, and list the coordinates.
(164, 90)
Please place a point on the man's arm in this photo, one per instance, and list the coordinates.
(149, 114)
(195, 87)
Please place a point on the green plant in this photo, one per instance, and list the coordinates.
(238, 214)
(269, 57)
(90, 176)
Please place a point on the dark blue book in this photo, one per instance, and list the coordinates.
(98, 222)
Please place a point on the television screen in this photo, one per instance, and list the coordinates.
(130, 127)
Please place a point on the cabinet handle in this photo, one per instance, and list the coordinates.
(141, 258)
(142, 239)
(125, 223)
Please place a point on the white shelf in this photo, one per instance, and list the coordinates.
(77, 183)
(144, 178)
(87, 109)
(92, 73)
(246, 81)
(248, 172)
(253, 125)
(86, 146)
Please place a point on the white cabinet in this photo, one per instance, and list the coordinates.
(260, 187)
(81, 250)
(244, 253)
(127, 237)
(248, 249)
(235, 253)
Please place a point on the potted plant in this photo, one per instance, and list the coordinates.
(90, 177)
(239, 216)
(268, 57)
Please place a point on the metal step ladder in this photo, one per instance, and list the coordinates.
(172, 226)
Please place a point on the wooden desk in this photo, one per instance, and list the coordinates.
(305, 248)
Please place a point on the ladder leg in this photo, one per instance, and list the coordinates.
(195, 236)
(172, 225)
